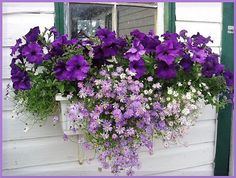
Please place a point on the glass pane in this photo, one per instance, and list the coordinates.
(86, 18)
(130, 18)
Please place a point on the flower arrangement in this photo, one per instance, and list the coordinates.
(124, 91)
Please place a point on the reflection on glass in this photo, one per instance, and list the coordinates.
(130, 18)
(86, 18)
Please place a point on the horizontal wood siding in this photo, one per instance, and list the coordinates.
(42, 150)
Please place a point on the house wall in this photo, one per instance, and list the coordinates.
(42, 150)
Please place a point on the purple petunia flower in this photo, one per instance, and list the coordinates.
(60, 71)
(77, 68)
(199, 55)
(212, 67)
(198, 39)
(32, 35)
(229, 77)
(165, 71)
(105, 35)
(135, 52)
(182, 33)
(186, 63)
(54, 31)
(20, 78)
(138, 67)
(168, 51)
(33, 53)
(16, 47)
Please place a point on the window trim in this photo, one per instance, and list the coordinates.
(62, 14)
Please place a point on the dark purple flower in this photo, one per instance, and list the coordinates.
(77, 67)
(32, 35)
(60, 71)
(229, 78)
(182, 33)
(212, 67)
(106, 35)
(199, 55)
(150, 43)
(198, 39)
(170, 36)
(135, 52)
(186, 63)
(137, 34)
(33, 53)
(57, 45)
(16, 47)
(20, 78)
(54, 31)
(99, 57)
(138, 67)
(168, 51)
(165, 71)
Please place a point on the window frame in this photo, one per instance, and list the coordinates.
(62, 12)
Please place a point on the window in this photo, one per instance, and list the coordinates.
(82, 19)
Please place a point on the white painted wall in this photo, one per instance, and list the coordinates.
(42, 151)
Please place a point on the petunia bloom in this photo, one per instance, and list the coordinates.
(60, 71)
(135, 52)
(32, 35)
(165, 71)
(77, 67)
(168, 51)
(138, 67)
(20, 78)
(16, 47)
(33, 53)
(212, 67)
(186, 63)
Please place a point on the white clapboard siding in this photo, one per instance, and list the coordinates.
(74, 169)
(42, 150)
(205, 18)
(50, 144)
(22, 7)
(17, 25)
(159, 162)
(11, 125)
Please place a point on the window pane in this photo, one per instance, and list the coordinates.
(130, 18)
(86, 18)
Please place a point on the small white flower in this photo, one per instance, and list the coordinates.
(179, 84)
(170, 91)
(147, 106)
(105, 135)
(168, 99)
(145, 92)
(199, 93)
(149, 98)
(175, 94)
(193, 89)
(189, 83)
(123, 76)
(171, 123)
(156, 86)
(185, 111)
(150, 91)
(188, 95)
(206, 87)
